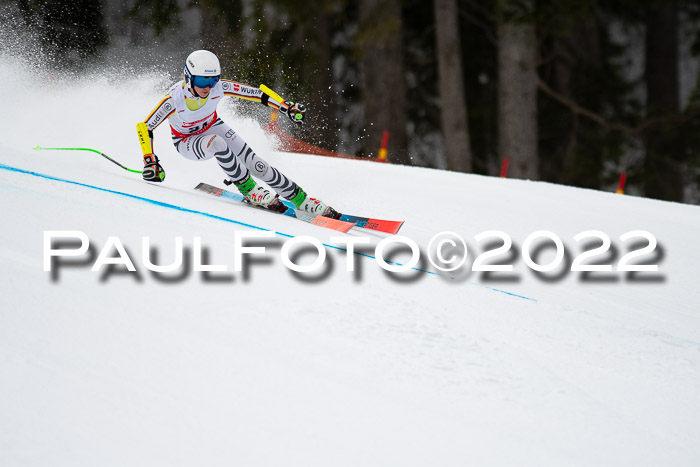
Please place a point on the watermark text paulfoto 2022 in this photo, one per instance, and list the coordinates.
(447, 253)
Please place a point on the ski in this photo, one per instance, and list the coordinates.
(380, 225)
(369, 223)
(334, 224)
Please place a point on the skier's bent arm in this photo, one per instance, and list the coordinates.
(152, 170)
(251, 93)
(158, 115)
(294, 111)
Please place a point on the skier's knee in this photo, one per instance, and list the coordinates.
(216, 145)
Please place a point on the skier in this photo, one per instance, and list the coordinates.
(199, 134)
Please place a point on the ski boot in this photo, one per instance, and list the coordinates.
(259, 196)
(303, 202)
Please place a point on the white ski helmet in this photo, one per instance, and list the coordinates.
(204, 64)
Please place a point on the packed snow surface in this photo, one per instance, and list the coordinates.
(267, 367)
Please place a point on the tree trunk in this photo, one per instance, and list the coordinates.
(580, 47)
(455, 128)
(384, 91)
(663, 174)
(517, 89)
(322, 130)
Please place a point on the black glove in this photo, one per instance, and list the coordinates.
(152, 171)
(295, 112)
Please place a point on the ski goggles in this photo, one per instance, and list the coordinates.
(205, 81)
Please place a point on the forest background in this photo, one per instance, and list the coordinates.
(570, 91)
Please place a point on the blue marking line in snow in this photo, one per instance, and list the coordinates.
(212, 216)
(506, 292)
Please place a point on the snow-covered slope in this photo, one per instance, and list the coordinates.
(265, 367)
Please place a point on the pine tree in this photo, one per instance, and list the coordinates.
(380, 40)
(455, 126)
(517, 88)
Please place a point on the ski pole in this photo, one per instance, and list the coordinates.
(39, 148)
